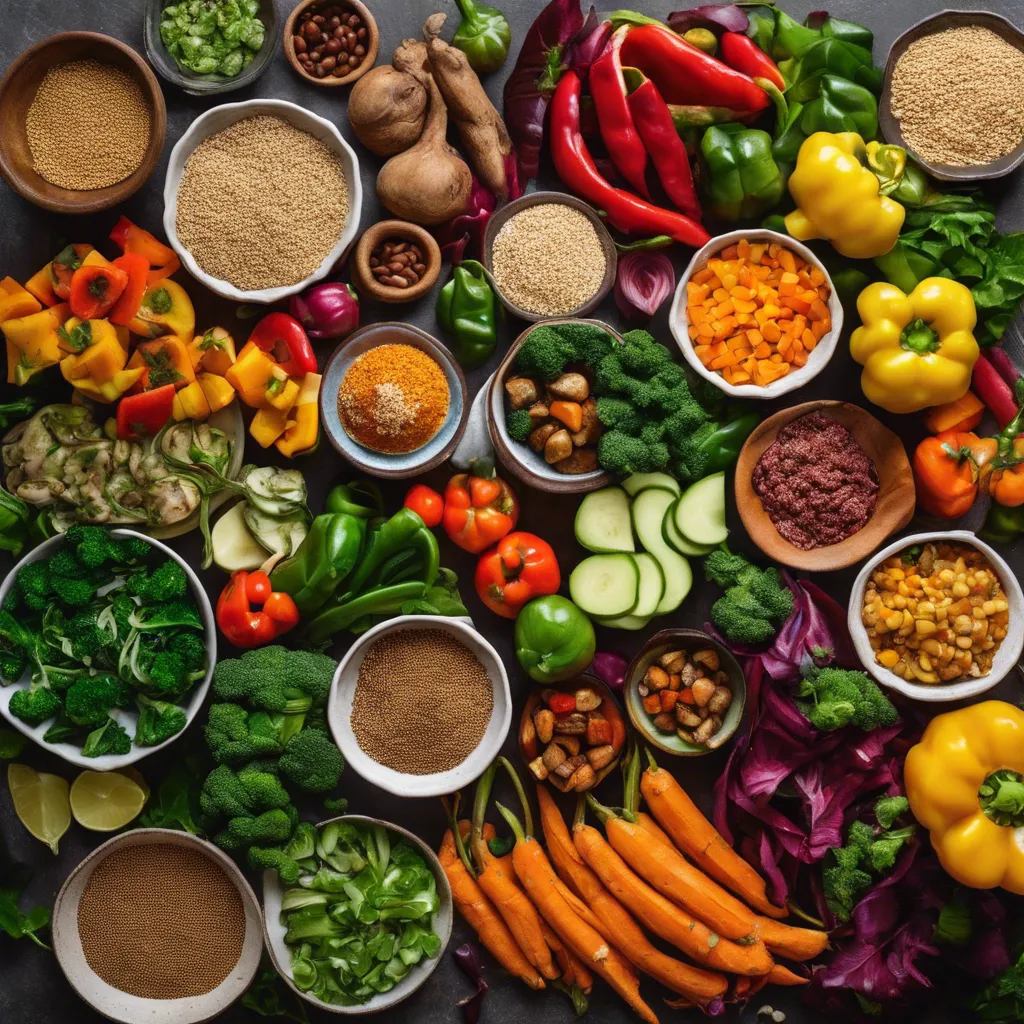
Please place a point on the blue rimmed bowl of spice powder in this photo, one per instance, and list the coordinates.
(393, 401)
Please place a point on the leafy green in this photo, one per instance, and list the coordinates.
(11, 744)
(177, 801)
(269, 997)
(1002, 1001)
(212, 37)
(14, 876)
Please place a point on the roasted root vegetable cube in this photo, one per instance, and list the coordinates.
(568, 767)
(583, 778)
(673, 661)
(601, 757)
(538, 769)
(655, 678)
(652, 704)
(702, 690)
(570, 744)
(665, 722)
(544, 723)
(572, 724)
(587, 700)
(668, 699)
(599, 730)
(553, 756)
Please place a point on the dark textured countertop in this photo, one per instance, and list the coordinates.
(32, 988)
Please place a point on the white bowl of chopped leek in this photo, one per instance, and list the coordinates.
(355, 862)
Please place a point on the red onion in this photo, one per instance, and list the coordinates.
(610, 667)
(728, 17)
(327, 311)
(645, 279)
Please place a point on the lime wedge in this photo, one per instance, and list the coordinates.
(40, 802)
(105, 801)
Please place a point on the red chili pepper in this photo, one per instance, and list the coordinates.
(244, 626)
(517, 569)
(136, 267)
(576, 168)
(668, 152)
(283, 338)
(742, 54)
(426, 503)
(94, 290)
(685, 74)
(562, 703)
(161, 258)
(142, 415)
(479, 508)
(991, 387)
(614, 116)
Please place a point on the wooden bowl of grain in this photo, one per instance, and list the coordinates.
(18, 91)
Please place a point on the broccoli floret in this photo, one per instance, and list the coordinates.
(620, 453)
(109, 738)
(641, 356)
(69, 581)
(35, 704)
(589, 344)
(519, 424)
(167, 582)
(13, 661)
(191, 648)
(228, 794)
(618, 414)
(17, 647)
(158, 721)
(276, 679)
(772, 594)
(87, 637)
(90, 698)
(273, 858)
(544, 353)
(122, 608)
(168, 676)
(32, 585)
(724, 568)
(335, 804)
(312, 761)
(756, 601)
(269, 827)
(836, 697)
(175, 614)
(739, 625)
(94, 547)
(889, 808)
(236, 736)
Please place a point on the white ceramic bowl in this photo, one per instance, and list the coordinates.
(129, 1009)
(1009, 650)
(281, 956)
(679, 321)
(128, 716)
(339, 711)
(217, 119)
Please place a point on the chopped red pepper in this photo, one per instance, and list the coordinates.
(479, 508)
(562, 703)
(283, 338)
(142, 415)
(742, 54)
(63, 267)
(245, 626)
(161, 258)
(519, 568)
(136, 267)
(95, 289)
(426, 503)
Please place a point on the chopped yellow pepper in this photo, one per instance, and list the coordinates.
(281, 392)
(214, 351)
(33, 342)
(165, 309)
(190, 403)
(219, 393)
(15, 301)
(965, 783)
(250, 373)
(268, 425)
(303, 430)
(165, 361)
(122, 382)
(97, 354)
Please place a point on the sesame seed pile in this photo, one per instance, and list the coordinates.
(161, 922)
(261, 203)
(959, 96)
(88, 126)
(548, 259)
(422, 702)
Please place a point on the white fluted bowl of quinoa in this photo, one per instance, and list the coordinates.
(969, 594)
(261, 199)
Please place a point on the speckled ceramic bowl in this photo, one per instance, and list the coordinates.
(382, 464)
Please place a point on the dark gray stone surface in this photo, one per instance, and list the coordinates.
(32, 988)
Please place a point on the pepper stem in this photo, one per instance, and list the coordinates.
(918, 337)
(483, 795)
(1001, 796)
(517, 783)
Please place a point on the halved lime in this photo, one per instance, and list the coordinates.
(105, 801)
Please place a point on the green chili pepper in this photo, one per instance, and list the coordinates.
(914, 187)
(743, 179)
(484, 36)
(722, 448)
(466, 310)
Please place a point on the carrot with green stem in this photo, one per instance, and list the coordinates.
(631, 794)
(501, 887)
(573, 971)
(543, 887)
(619, 928)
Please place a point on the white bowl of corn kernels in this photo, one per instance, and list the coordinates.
(936, 616)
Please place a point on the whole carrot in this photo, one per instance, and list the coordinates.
(682, 819)
(573, 971)
(661, 916)
(697, 985)
(780, 975)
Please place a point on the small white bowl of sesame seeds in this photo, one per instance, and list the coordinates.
(261, 199)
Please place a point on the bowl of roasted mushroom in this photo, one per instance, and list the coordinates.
(685, 692)
(572, 734)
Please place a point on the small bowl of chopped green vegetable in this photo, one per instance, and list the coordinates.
(210, 46)
(108, 646)
(334, 880)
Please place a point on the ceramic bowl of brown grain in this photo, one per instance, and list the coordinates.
(124, 1007)
(18, 89)
(889, 123)
(894, 506)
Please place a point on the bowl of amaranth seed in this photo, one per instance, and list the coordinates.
(820, 485)
(160, 926)
(420, 705)
(261, 199)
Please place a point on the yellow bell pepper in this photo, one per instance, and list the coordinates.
(965, 783)
(917, 350)
(303, 431)
(268, 425)
(250, 373)
(281, 391)
(165, 361)
(190, 403)
(15, 301)
(837, 198)
(121, 383)
(214, 351)
(95, 258)
(219, 393)
(165, 309)
(40, 286)
(33, 342)
(101, 357)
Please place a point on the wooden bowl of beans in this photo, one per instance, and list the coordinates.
(71, 157)
(395, 262)
(331, 43)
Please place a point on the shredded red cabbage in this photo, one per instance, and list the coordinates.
(588, 43)
(728, 18)
(463, 236)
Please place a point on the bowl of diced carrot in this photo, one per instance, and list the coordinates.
(756, 314)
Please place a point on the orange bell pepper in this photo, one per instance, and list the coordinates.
(303, 432)
(64, 265)
(948, 470)
(94, 290)
(517, 569)
(162, 259)
(165, 361)
(963, 414)
(16, 301)
(136, 268)
(479, 508)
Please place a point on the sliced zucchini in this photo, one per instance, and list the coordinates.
(626, 622)
(234, 546)
(642, 481)
(649, 508)
(272, 490)
(700, 514)
(603, 524)
(676, 540)
(278, 534)
(652, 584)
(605, 585)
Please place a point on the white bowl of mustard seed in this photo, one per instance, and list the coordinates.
(273, 216)
(434, 726)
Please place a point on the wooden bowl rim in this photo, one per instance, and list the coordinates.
(72, 201)
(372, 39)
(360, 267)
(895, 486)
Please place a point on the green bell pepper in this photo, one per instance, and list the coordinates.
(721, 448)
(1003, 525)
(484, 36)
(554, 640)
(742, 179)
(360, 498)
(841, 106)
(466, 309)
(321, 562)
